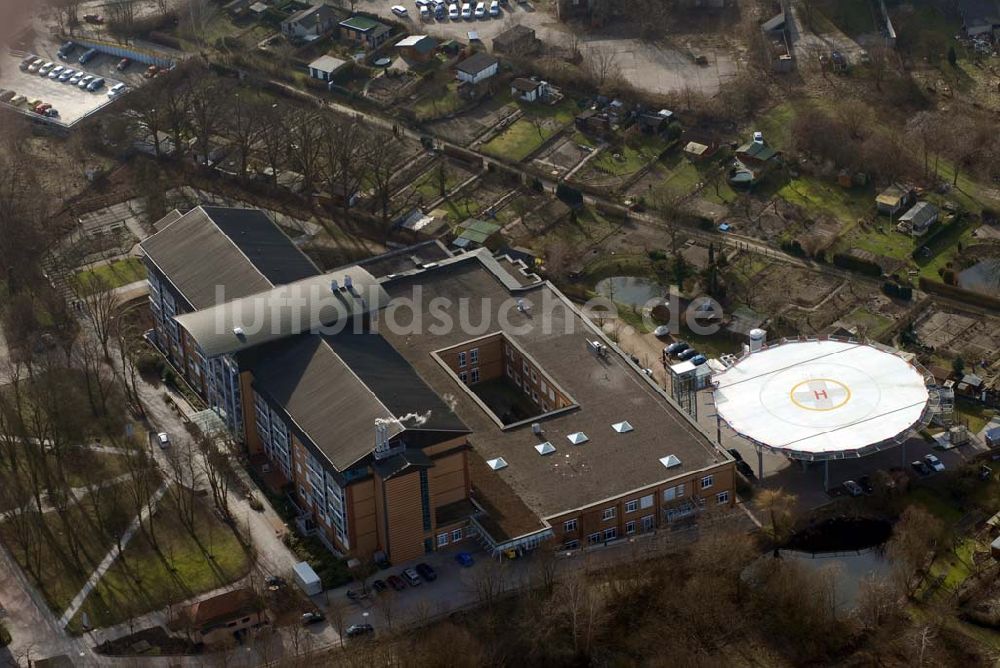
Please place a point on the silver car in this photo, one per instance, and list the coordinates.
(85, 81)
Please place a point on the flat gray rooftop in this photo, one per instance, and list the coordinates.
(608, 390)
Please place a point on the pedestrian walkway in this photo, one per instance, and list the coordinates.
(111, 557)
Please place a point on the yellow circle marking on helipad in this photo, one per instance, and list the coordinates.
(820, 394)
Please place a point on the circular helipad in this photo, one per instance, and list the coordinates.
(822, 399)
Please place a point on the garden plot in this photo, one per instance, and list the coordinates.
(425, 189)
(464, 128)
(561, 157)
(474, 201)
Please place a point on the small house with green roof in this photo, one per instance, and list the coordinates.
(365, 31)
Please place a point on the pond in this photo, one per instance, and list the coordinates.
(851, 550)
(630, 290)
(984, 276)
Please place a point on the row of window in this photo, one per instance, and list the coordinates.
(465, 377)
(633, 505)
(472, 358)
(442, 538)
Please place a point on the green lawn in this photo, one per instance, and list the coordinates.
(974, 413)
(438, 103)
(874, 324)
(519, 140)
(61, 579)
(80, 466)
(632, 156)
(852, 17)
(115, 274)
(181, 566)
(937, 503)
(537, 124)
(814, 194)
(427, 184)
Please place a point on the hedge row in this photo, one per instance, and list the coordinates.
(961, 294)
(854, 263)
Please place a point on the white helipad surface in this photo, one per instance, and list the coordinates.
(821, 398)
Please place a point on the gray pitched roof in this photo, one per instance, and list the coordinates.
(334, 388)
(238, 251)
(476, 63)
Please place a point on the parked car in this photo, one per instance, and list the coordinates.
(87, 56)
(453, 12)
(275, 581)
(123, 64)
(96, 19)
(66, 75)
(399, 10)
(934, 462)
(96, 84)
(466, 10)
(698, 360)
(18, 100)
(42, 107)
(426, 572)
(45, 69)
(662, 330)
(396, 582)
(480, 10)
(75, 79)
(52, 113)
(687, 354)
(411, 577)
(65, 50)
(163, 439)
(464, 559)
(117, 90)
(853, 488)
(425, 13)
(56, 71)
(379, 585)
(677, 347)
(7, 96)
(440, 12)
(920, 467)
(495, 8)
(29, 61)
(313, 618)
(151, 72)
(356, 630)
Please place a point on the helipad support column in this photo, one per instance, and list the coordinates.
(826, 475)
(760, 462)
(902, 461)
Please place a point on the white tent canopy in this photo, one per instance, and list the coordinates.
(822, 399)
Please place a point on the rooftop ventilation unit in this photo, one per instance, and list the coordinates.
(497, 464)
(429, 265)
(577, 438)
(334, 286)
(348, 282)
(597, 348)
(240, 334)
(545, 448)
(523, 306)
(670, 461)
(622, 427)
(536, 428)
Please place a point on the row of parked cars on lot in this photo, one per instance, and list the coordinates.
(454, 11)
(682, 350)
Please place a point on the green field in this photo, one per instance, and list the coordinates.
(438, 103)
(537, 124)
(114, 274)
(181, 565)
(632, 156)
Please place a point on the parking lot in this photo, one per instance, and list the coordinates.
(72, 102)
(658, 68)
